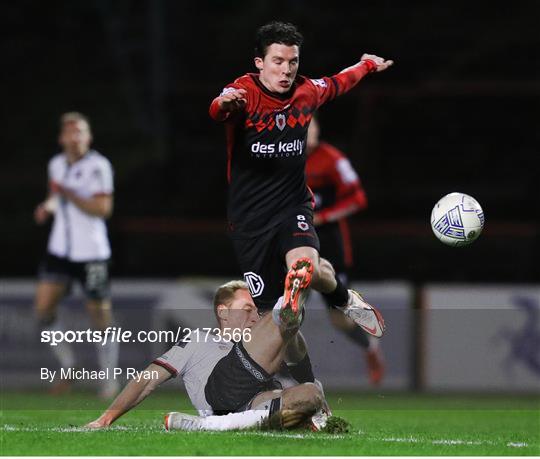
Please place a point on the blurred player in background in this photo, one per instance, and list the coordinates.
(270, 211)
(80, 199)
(338, 194)
(234, 379)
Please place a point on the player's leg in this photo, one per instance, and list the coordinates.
(94, 277)
(368, 344)
(53, 284)
(349, 302)
(267, 343)
(48, 295)
(248, 368)
(298, 240)
(289, 408)
(292, 407)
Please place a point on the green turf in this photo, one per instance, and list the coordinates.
(393, 424)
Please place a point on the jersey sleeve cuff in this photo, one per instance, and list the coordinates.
(370, 65)
(169, 368)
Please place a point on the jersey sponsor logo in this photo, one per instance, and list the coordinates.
(278, 150)
(280, 121)
(255, 283)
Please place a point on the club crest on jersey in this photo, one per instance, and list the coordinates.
(280, 121)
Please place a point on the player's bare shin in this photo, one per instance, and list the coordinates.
(267, 344)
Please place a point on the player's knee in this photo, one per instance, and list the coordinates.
(326, 268)
(324, 273)
(313, 396)
(308, 398)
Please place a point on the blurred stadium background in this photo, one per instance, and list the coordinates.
(459, 111)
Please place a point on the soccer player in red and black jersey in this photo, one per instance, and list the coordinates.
(270, 207)
(338, 194)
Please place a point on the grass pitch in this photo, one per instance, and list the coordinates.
(390, 424)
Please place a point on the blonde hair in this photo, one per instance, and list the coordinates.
(225, 293)
(73, 117)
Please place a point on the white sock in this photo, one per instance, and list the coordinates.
(231, 421)
(275, 314)
(276, 310)
(62, 351)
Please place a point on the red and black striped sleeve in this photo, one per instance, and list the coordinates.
(328, 88)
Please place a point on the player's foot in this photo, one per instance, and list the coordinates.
(363, 314)
(297, 284)
(182, 421)
(375, 365)
(318, 420)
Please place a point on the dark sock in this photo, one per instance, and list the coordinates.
(358, 336)
(302, 370)
(339, 297)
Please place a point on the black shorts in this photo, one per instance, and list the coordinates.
(235, 381)
(262, 258)
(93, 276)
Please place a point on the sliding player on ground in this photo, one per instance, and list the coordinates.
(235, 380)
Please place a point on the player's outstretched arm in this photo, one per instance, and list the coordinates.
(133, 394)
(379, 62)
(229, 101)
(344, 81)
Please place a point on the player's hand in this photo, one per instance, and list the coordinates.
(232, 100)
(41, 214)
(97, 424)
(381, 63)
(55, 187)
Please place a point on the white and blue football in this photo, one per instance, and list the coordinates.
(457, 219)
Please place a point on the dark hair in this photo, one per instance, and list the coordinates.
(282, 33)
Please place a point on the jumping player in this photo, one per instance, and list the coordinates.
(80, 199)
(270, 211)
(338, 194)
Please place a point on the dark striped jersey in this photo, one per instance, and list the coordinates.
(266, 143)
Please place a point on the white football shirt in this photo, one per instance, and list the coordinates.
(77, 235)
(194, 361)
